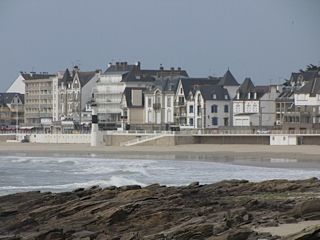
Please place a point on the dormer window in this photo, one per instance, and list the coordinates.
(249, 95)
(255, 95)
(238, 95)
(214, 96)
(226, 97)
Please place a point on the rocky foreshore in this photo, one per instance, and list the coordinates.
(231, 210)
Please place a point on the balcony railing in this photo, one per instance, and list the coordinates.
(180, 104)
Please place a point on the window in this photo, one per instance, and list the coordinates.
(191, 121)
(149, 102)
(226, 97)
(226, 108)
(191, 109)
(214, 109)
(226, 121)
(214, 96)
(214, 121)
(168, 101)
(181, 90)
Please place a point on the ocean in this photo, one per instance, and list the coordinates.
(20, 173)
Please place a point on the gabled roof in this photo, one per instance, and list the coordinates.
(6, 98)
(66, 77)
(245, 88)
(128, 96)
(312, 87)
(228, 80)
(164, 85)
(214, 92)
(188, 84)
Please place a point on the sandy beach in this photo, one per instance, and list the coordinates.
(307, 156)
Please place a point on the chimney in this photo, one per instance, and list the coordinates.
(138, 65)
(109, 65)
(179, 68)
(76, 68)
(161, 67)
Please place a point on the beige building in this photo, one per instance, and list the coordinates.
(11, 110)
(38, 99)
(132, 106)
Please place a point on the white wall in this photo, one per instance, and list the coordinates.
(306, 100)
(241, 121)
(60, 138)
(283, 140)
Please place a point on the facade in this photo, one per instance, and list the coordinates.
(296, 106)
(11, 110)
(112, 83)
(255, 105)
(132, 107)
(209, 107)
(160, 102)
(307, 103)
(38, 99)
(72, 93)
(185, 90)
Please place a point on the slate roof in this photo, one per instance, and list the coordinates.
(120, 68)
(127, 93)
(285, 96)
(312, 87)
(85, 77)
(132, 72)
(208, 92)
(66, 77)
(246, 87)
(189, 84)
(6, 98)
(36, 76)
(304, 76)
(164, 85)
(228, 80)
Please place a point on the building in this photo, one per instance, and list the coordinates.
(11, 110)
(307, 103)
(71, 94)
(209, 107)
(186, 88)
(132, 107)
(38, 99)
(289, 115)
(112, 83)
(255, 105)
(160, 102)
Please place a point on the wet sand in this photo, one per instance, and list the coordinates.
(307, 156)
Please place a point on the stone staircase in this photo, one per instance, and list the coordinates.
(144, 139)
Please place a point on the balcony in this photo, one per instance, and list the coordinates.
(180, 104)
(156, 106)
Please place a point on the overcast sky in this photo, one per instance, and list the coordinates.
(265, 40)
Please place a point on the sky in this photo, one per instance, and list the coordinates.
(265, 40)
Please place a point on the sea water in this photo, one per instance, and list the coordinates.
(56, 174)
